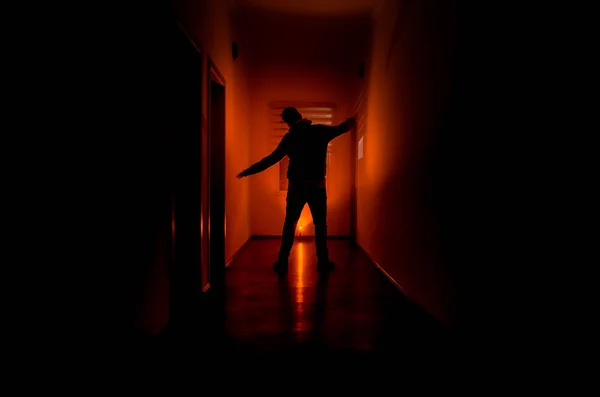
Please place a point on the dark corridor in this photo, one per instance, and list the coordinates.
(152, 305)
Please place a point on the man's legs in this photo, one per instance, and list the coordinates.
(317, 202)
(295, 200)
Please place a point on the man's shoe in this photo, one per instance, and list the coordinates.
(280, 267)
(325, 266)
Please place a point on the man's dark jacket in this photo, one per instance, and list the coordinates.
(306, 146)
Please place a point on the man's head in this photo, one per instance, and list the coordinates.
(291, 116)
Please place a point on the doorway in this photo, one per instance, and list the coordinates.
(216, 177)
(357, 135)
(185, 104)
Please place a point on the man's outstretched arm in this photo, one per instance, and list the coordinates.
(335, 131)
(279, 153)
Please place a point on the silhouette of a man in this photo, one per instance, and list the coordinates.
(306, 146)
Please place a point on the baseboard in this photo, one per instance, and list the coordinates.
(386, 274)
(400, 288)
(235, 254)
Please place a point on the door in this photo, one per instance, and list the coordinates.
(216, 156)
(357, 135)
(185, 103)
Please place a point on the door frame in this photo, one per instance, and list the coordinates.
(184, 273)
(215, 180)
(359, 116)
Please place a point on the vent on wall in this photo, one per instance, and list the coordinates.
(319, 113)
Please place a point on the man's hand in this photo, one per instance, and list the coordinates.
(241, 175)
(351, 122)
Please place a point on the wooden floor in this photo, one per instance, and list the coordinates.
(355, 308)
(353, 318)
(355, 312)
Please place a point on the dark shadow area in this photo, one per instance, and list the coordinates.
(353, 319)
(301, 39)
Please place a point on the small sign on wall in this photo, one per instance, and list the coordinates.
(360, 147)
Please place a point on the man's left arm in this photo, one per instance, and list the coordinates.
(333, 132)
(279, 153)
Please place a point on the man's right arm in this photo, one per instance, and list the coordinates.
(335, 131)
(279, 153)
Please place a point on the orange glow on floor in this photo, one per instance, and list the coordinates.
(300, 323)
(300, 266)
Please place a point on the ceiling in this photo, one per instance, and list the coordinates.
(312, 7)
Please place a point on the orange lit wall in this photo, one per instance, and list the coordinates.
(307, 60)
(209, 21)
(267, 204)
(408, 78)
